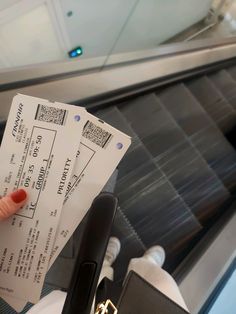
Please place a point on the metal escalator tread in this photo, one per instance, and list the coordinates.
(202, 132)
(165, 219)
(137, 170)
(232, 71)
(224, 82)
(175, 156)
(213, 101)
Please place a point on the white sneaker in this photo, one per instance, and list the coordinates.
(156, 254)
(113, 249)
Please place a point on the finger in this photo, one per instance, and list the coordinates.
(11, 203)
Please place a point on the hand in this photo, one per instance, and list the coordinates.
(11, 203)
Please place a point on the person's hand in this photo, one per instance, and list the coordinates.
(11, 203)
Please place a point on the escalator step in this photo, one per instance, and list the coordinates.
(213, 102)
(224, 82)
(175, 156)
(202, 132)
(231, 135)
(150, 205)
(232, 71)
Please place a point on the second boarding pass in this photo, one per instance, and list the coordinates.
(101, 147)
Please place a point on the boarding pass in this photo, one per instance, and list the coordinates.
(100, 150)
(38, 153)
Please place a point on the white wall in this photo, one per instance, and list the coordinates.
(7, 3)
(95, 24)
(35, 31)
(155, 21)
(28, 34)
(29, 39)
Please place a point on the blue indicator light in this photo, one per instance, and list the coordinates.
(74, 53)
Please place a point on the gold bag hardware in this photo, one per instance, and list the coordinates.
(106, 308)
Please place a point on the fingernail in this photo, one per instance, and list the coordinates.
(18, 196)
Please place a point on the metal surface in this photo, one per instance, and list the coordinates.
(204, 29)
(50, 70)
(169, 50)
(113, 79)
(199, 283)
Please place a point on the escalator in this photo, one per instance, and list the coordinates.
(178, 177)
(179, 174)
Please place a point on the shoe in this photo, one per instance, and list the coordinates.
(156, 254)
(113, 249)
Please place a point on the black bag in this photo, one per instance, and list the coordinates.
(136, 297)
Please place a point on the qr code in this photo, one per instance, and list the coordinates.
(51, 114)
(96, 134)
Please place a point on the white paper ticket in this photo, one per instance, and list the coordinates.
(101, 149)
(38, 152)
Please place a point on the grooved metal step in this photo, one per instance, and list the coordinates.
(202, 132)
(214, 102)
(175, 155)
(224, 82)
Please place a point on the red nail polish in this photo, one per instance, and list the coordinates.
(18, 196)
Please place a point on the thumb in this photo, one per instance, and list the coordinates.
(11, 203)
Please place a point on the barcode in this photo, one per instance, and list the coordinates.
(51, 114)
(96, 134)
